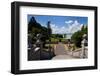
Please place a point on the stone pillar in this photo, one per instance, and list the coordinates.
(84, 41)
(38, 48)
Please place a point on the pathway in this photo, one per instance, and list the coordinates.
(60, 49)
(61, 52)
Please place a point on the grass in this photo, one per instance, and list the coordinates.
(47, 46)
(58, 39)
(54, 40)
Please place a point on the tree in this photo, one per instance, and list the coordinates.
(49, 28)
(77, 36)
(34, 28)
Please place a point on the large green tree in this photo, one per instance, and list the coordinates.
(77, 36)
(34, 28)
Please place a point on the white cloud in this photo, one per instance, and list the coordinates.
(68, 22)
(56, 29)
(44, 25)
(72, 26)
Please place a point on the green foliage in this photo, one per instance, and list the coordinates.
(77, 36)
(57, 38)
(34, 28)
(56, 35)
(63, 40)
(54, 40)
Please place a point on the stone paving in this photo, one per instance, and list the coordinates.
(61, 52)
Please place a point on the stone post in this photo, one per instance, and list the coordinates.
(84, 41)
(38, 44)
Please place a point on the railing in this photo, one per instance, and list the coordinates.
(78, 53)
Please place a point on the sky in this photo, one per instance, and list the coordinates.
(61, 24)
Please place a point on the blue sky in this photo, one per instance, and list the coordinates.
(61, 24)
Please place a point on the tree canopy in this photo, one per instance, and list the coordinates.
(77, 36)
(34, 28)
